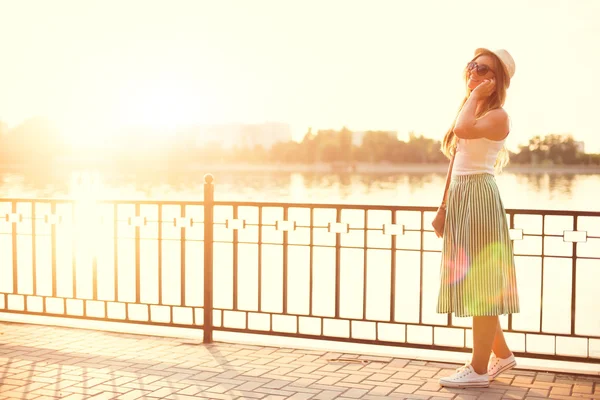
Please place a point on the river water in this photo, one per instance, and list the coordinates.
(562, 191)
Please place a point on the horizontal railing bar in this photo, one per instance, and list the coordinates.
(103, 319)
(297, 226)
(350, 228)
(297, 205)
(101, 201)
(377, 321)
(350, 320)
(322, 206)
(389, 248)
(145, 303)
(554, 357)
(146, 239)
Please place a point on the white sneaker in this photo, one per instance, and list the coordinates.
(496, 366)
(465, 377)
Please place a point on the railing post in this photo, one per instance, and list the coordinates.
(208, 257)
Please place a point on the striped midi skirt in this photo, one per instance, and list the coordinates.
(478, 267)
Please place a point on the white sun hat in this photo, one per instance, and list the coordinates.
(505, 58)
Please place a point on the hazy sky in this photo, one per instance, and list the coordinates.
(369, 64)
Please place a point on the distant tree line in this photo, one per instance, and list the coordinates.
(380, 146)
(554, 149)
(36, 142)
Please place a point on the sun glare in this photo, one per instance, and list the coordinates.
(163, 104)
(158, 103)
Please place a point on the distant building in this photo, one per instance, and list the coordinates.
(357, 138)
(266, 134)
(242, 135)
(3, 128)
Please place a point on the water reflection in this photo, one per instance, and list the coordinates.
(550, 182)
(519, 190)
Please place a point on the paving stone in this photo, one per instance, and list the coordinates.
(40, 362)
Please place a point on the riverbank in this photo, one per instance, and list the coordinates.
(357, 168)
(383, 168)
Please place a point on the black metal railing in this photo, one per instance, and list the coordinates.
(353, 273)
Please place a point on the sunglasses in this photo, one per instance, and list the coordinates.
(481, 69)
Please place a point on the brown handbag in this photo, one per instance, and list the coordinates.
(440, 217)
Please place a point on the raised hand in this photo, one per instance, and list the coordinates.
(484, 89)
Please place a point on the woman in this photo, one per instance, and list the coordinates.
(478, 270)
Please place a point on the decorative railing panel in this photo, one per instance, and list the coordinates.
(356, 273)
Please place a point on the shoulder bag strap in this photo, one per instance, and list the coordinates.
(448, 177)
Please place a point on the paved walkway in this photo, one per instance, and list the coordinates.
(43, 362)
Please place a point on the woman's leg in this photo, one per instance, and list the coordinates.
(499, 346)
(484, 332)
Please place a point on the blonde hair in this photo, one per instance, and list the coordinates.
(496, 100)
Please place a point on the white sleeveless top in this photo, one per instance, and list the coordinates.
(476, 156)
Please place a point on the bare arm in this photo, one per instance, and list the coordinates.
(493, 125)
